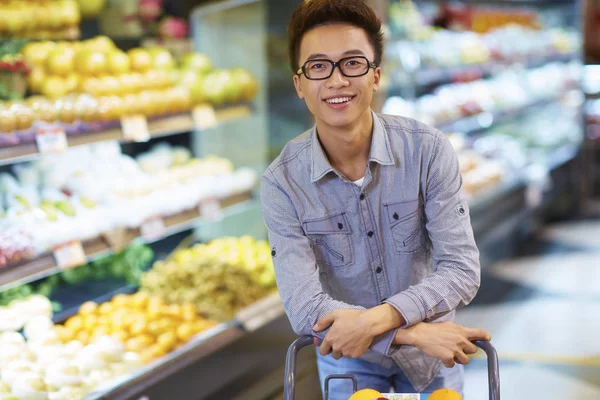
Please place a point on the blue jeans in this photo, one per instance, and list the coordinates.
(382, 379)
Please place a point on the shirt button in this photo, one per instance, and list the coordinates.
(362, 196)
(370, 233)
(378, 270)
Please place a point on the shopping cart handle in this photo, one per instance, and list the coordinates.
(289, 384)
(493, 368)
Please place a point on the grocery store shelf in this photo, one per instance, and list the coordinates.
(479, 122)
(157, 127)
(45, 265)
(488, 196)
(430, 76)
(514, 2)
(260, 313)
(203, 345)
(61, 316)
(250, 319)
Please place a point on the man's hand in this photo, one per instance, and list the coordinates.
(445, 341)
(349, 333)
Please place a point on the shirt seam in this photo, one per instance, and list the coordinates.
(288, 159)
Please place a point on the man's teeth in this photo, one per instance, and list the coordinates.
(338, 100)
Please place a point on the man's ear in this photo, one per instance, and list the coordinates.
(297, 86)
(377, 80)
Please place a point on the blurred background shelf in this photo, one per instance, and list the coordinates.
(158, 128)
(45, 265)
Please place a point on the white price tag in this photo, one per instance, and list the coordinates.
(153, 229)
(135, 128)
(51, 139)
(534, 196)
(260, 313)
(116, 238)
(204, 117)
(210, 209)
(69, 255)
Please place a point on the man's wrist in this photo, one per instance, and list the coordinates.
(382, 318)
(405, 337)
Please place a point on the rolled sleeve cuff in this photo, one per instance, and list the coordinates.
(408, 307)
(382, 344)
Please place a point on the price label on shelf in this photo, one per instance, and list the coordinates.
(534, 196)
(204, 117)
(51, 139)
(135, 128)
(260, 313)
(116, 238)
(69, 255)
(210, 209)
(153, 229)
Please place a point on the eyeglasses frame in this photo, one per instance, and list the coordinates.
(302, 70)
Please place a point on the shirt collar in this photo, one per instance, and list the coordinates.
(380, 150)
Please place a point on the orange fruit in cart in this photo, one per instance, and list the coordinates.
(444, 394)
(365, 394)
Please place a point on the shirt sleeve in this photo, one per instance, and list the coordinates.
(296, 269)
(456, 271)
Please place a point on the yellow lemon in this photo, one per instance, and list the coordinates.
(75, 323)
(366, 394)
(121, 300)
(445, 394)
(105, 308)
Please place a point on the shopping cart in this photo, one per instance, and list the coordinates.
(304, 341)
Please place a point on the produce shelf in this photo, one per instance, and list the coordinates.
(203, 345)
(439, 75)
(479, 122)
(157, 127)
(247, 320)
(45, 265)
(435, 76)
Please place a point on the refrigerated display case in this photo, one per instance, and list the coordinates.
(502, 79)
(126, 203)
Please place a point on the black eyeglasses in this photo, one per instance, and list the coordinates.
(351, 67)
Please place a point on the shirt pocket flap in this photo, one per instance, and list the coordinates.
(398, 212)
(328, 225)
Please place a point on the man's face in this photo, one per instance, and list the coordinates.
(334, 42)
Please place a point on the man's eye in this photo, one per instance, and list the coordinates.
(317, 66)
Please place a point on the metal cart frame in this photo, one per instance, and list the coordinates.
(289, 385)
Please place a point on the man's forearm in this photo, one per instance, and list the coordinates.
(383, 318)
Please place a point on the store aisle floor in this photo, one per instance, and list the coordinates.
(543, 310)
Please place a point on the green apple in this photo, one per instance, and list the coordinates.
(22, 200)
(50, 211)
(198, 62)
(87, 202)
(66, 208)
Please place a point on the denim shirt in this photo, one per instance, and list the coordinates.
(403, 238)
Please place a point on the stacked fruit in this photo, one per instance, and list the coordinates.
(39, 19)
(219, 278)
(90, 190)
(145, 323)
(214, 86)
(136, 82)
(43, 367)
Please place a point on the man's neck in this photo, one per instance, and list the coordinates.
(348, 148)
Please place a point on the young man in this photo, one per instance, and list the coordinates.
(369, 229)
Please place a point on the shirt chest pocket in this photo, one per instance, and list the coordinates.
(330, 237)
(405, 221)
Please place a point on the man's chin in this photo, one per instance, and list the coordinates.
(338, 121)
